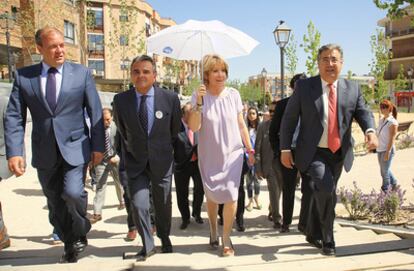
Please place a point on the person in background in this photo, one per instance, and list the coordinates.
(218, 116)
(264, 166)
(109, 165)
(62, 144)
(4, 172)
(289, 175)
(252, 184)
(386, 132)
(186, 167)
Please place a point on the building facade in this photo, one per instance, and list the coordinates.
(271, 85)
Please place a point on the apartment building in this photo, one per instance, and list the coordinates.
(104, 35)
(401, 33)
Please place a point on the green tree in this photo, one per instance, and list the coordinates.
(248, 92)
(379, 63)
(400, 83)
(311, 43)
(291, 57)
(349, 75)
(394, 8)
(191, 86)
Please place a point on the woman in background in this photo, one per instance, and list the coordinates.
(386, 132)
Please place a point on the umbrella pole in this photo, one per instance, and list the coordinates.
(202, 66)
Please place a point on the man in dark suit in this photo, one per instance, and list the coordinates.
(186, 166)
(57, 93)
(326, 106)
(148, 119)
(289, 175)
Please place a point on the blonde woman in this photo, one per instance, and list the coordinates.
(218, 116)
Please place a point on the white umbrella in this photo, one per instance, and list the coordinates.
(194, 39)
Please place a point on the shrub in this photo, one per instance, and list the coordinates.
(382, 207)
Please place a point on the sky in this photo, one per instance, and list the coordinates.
(349, 23)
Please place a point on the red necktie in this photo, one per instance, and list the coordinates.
(334, 141)
(190, 135)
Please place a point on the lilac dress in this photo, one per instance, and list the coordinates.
(220, 147)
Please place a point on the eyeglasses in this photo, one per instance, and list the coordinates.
(333, 60)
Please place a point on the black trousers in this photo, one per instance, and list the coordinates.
(140, 188)
(324, 172)
(305, 200)
(289, 187)
(123, 178)
(240, 203)
(182, 182)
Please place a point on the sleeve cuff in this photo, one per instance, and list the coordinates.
(284, 150)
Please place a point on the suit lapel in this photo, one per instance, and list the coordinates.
(316, 95)
(342, 96)
(67, 79)
(36, 86)
(158, 106)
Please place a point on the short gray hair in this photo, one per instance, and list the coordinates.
(143, 58)
(330, 46)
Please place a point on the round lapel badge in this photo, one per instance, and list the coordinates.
(158, 114)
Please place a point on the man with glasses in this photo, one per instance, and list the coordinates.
(326, 106)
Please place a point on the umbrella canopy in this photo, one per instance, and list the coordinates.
(194, 39)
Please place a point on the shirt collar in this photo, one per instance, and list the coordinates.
(149, 93)
(325, 84)
(45, 68)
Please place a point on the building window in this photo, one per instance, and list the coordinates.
(96, 43)
(69, 32)
(123, 17)
(95, 18)
(123, 40)
(97, 66)
(147, 27)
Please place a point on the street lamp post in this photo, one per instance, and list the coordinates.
(125, 65)
(7, 23)
(264, 78)
(282, 35)
(410, 72)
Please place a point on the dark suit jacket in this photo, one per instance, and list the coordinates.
(65, 128)
(274, 129)
(307, 103)
(141, 148)
(183, 150)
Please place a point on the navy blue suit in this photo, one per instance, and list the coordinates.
(61, 145)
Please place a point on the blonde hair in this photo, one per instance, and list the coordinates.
(209, 63)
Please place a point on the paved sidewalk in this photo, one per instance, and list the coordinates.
(259, 248)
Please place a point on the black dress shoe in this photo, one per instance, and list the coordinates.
(314, 242)
(240, 227)
(284, 228)
(277, 225)
(80, 245)
(184, 224)
(166, 246)
(140, 256)
(198, 219)
(69, 257)
(328, 249)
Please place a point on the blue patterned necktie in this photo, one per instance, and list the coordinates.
(51, 88)
(143, 113)
(107, 145)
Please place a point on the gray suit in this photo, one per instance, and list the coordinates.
(101, 173)
(149, 159)
(61, 146)
(264, 164)
(323, 166)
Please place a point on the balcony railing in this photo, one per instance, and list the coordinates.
(398, 33)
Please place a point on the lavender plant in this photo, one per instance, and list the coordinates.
(382, 207)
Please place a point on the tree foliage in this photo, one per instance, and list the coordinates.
(248, 92)
(191, 86)
(291, 57)
(311, 43)
(401, 82)
(379, 63)
(394, 8)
